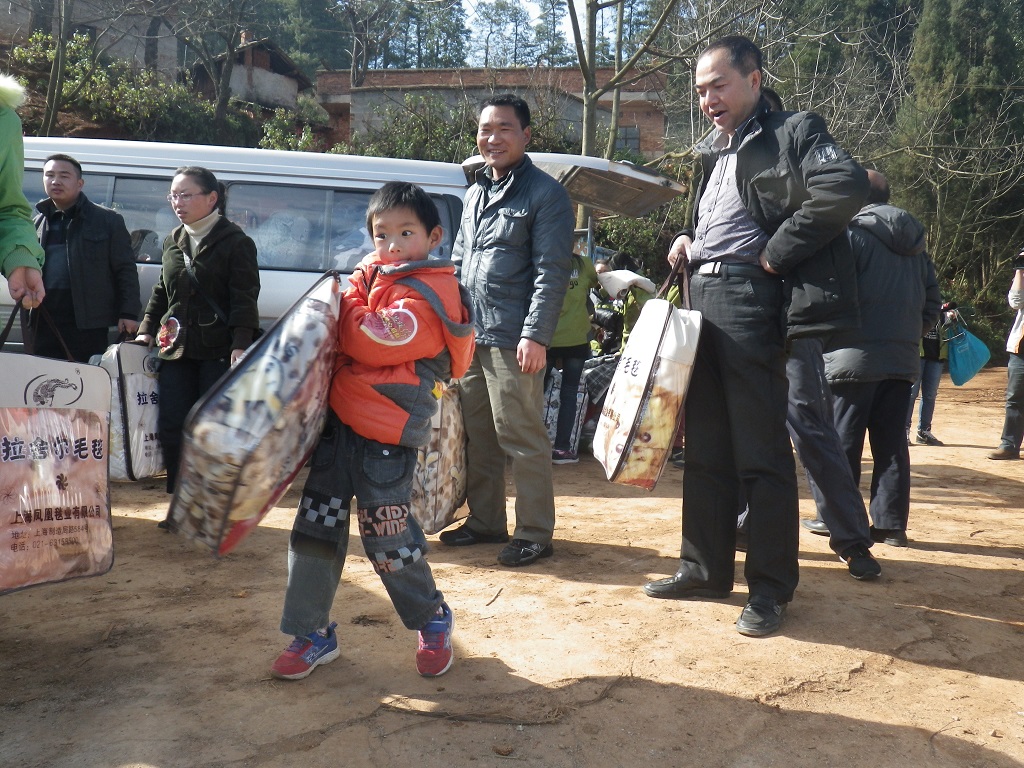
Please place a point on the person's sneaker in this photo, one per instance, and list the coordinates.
(434, 655)
(306, 653)
(924, 437)
(678, 458)
(558, 456)
(862, 565)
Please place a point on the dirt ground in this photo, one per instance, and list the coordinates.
(164, 661)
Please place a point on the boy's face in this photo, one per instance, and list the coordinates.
(399, 235)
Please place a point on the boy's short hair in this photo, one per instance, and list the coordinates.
(402, 194)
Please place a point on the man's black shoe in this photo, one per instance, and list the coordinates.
(761, 616)
(680, 586)
(815, 526)
(862, 565)
(741, 540)
(464, 536)
(891, 536)
(523, 552)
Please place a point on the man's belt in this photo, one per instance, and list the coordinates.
(720, 269)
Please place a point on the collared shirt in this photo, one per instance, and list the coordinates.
(725, 229)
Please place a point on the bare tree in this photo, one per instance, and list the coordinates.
(109, 23)
(212, 31)
(373, 23)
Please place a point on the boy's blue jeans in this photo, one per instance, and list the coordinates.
(344, 465)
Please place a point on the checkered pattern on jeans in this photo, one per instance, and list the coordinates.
(329, 512)
(395, 560)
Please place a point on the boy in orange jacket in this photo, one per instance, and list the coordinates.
(405, 325)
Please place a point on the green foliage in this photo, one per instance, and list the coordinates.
(134, 104)
(420, 128)
(430, 128)
(502, 35)
(283, 131)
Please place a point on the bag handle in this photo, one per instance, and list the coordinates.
(680, 273)
(46, 315)
(10, 324)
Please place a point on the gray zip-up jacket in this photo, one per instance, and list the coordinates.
(513, 253)
(899, 299)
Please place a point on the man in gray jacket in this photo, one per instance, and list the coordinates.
(871, 369)
(513, 254)
(90, 275)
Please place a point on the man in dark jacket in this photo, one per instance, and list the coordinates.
(89, 273)
(772, 205)
(513, 254)
(871, 369)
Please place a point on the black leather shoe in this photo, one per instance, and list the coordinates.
(741, 540)
(815, 526)
(165, 525)
(523, 552)
(891, 536)
(464, 536)
(681, 586)
(761, 616)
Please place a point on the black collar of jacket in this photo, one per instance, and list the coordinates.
(82, 205)
(753, 123)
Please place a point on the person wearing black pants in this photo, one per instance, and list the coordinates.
(768, 258)
(203, 312)
(871, 369)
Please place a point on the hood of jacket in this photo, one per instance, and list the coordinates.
(898, 230)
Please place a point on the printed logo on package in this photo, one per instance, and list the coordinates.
(54, 498)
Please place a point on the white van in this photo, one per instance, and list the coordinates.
(306, 211)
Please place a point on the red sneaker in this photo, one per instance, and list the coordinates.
(434, 656)
(306, 653)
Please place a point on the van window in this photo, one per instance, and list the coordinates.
(147, 214)
(286, 223)
(295, 228)
(349, 239)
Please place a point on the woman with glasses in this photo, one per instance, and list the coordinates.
(202, 313)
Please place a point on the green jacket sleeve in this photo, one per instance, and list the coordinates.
(18, 244)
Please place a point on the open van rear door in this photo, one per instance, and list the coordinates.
(607, 186)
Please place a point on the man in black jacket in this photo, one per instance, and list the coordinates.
(89, 273)
(768, 246)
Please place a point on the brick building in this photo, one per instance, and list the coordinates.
(556, 91)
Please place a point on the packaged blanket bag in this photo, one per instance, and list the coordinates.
(247, 439)
(54, 495)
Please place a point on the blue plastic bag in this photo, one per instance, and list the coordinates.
(967, 354)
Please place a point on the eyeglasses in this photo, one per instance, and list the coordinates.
(174, 197)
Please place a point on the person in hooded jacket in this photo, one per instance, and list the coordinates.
(871, 369)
